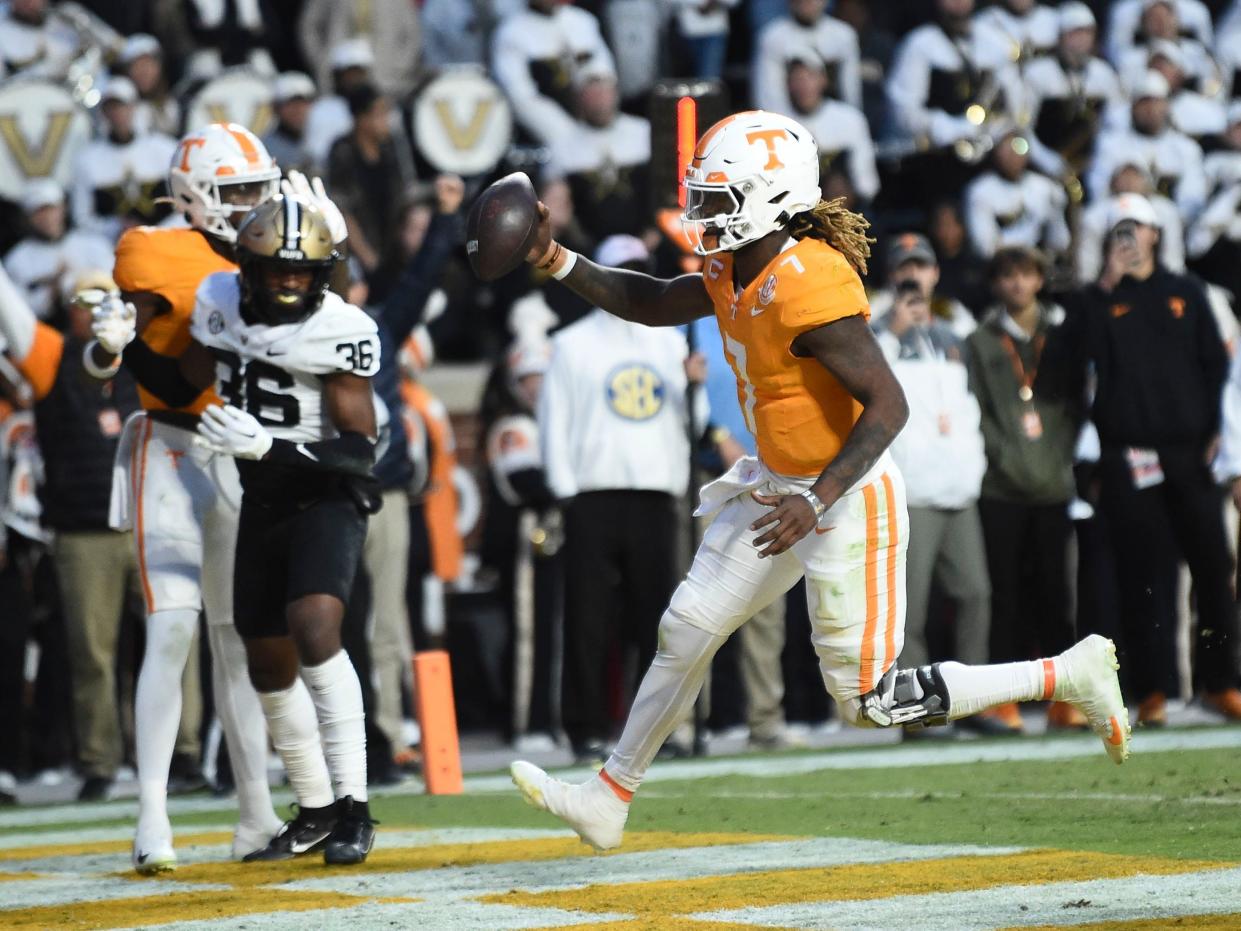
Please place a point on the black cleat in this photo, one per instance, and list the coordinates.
(354, 834)
(306, 833)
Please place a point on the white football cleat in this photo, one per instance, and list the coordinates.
(153, 851)
(591, 808)
(1086, 679)
(248, 838)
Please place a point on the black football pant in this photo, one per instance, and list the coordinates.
(1027, 559)
(621, 565)
(1152, 529)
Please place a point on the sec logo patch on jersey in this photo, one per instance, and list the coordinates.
(635, 391)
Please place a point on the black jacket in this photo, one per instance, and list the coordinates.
(1159, 362)
(78, 426)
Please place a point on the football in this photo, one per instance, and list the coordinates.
(502, 226)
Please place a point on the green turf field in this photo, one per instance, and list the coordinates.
(925, 835)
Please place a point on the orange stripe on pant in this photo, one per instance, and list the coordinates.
(866, 681)
(138, 468)
(889, 634)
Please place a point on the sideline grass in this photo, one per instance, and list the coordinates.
(1166, 804)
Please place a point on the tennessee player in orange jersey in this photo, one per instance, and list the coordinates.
(181, 500)
(823, 498)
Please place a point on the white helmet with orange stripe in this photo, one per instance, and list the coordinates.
(751, 173)
(220, 172)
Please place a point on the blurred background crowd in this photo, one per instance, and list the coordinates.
(1027, 168)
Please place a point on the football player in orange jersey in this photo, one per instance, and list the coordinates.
(823, 499)
(181, 500)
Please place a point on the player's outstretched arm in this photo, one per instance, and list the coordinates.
(627, 294)
(848, 350)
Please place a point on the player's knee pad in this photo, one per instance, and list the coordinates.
(905, 697)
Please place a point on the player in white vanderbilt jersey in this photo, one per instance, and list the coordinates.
(291, 362)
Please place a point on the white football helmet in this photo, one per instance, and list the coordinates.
(222, 155)
(751, 172)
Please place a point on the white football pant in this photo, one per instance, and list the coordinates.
(854, 564)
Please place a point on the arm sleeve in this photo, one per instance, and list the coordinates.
(159, 374)
(403, 310)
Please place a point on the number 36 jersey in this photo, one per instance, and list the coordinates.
(275, 372)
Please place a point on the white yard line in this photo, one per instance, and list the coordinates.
(469, 882)
(386, 916)
(1066, 903)
(62, 890)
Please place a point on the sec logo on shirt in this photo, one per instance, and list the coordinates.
(635, 391)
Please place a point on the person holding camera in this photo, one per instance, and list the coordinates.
(1159, 368)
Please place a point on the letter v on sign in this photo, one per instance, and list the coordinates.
(36, 161)
(463, 137)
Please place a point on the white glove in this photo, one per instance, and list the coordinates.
(233, 432)
(113, 320)
(312, 192)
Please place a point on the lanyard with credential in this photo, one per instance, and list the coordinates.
(1025, 377)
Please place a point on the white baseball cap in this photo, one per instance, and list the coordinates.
(1076, 15)
(595, 69)
(352, 53)
(140, 44)
(41, 192)
(1166, 48)
(1131, 207)
(1151, 84)
(119, 89)
(621, 250)
(292, 84)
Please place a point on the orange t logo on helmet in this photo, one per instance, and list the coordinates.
(768, 137)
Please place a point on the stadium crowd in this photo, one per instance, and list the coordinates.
(1054, 191)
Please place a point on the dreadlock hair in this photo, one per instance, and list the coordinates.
(830, 221)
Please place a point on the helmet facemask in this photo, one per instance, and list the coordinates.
(275, 306)
(279, 238)
(220, 201)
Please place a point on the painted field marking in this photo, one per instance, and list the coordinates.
(655, 865)
(139, 911)
(1055, 904)
(671, 898)
(396, 870)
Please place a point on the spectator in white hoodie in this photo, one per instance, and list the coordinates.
(940, 454)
